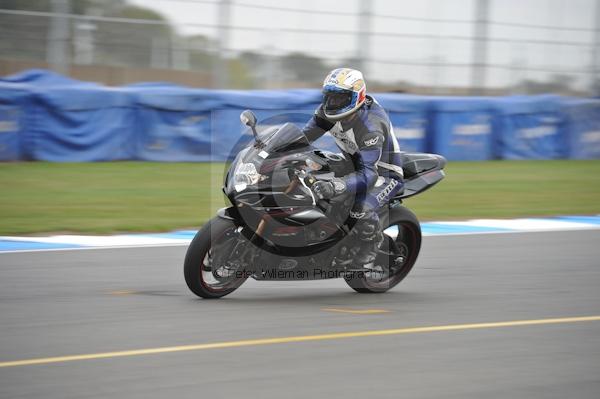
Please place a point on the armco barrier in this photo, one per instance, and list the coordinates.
(44, 116)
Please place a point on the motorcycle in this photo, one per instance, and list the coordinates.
(277, 229)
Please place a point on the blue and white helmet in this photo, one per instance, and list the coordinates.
(344, 91)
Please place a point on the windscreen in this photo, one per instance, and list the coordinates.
(286, 138)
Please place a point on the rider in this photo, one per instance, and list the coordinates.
(363, 131)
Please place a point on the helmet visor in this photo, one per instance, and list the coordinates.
(336, 101)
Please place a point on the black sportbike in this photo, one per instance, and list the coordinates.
(276, 229)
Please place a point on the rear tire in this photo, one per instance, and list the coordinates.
(407, 243)
(195, 267)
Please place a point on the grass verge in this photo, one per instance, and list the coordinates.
(44, 197)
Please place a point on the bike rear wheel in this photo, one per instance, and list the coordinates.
(399, 251)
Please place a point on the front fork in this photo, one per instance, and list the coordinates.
(247, 247)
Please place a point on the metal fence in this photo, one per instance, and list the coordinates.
(438, 47)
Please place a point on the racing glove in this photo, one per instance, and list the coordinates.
(328, 189)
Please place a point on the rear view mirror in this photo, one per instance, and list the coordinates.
(248, 118)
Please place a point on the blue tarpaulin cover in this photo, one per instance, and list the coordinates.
(461, 128)
(66, 120)
(582, 122)
(13, 103)
(46, 116)
(530, 128)
(409, 116)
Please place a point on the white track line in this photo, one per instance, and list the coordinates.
(182, 242)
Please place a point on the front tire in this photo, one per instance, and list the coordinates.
(200, 274)
(406, 244)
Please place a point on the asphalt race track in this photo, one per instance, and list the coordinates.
(103, 303)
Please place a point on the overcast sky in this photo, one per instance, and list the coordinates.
(384, 50)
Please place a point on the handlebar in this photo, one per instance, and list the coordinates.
(307, 179)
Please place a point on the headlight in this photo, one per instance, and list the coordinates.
(245, 175)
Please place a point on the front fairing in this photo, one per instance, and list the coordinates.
(263, 182)
(269, 165)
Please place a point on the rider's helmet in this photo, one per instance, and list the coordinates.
(344, 91)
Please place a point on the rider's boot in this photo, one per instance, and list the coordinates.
(368, 239)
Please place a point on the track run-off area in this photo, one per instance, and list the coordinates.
(481, 315)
